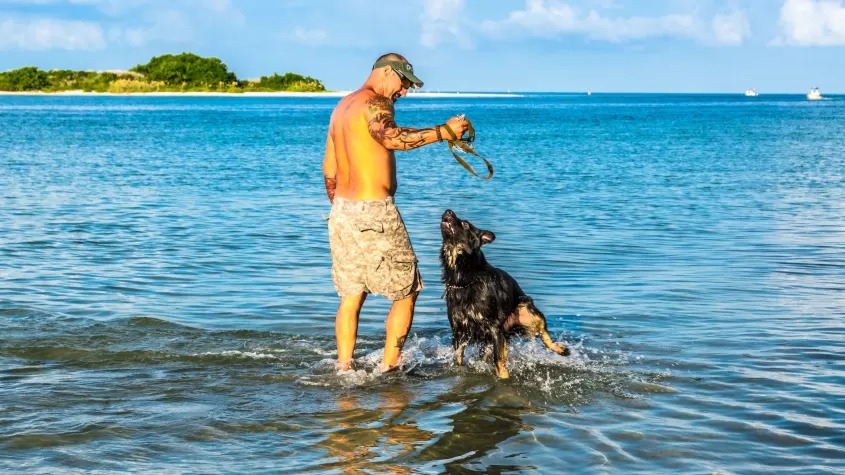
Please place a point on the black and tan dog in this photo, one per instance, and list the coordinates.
(486, 307)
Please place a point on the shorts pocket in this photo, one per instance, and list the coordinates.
(404, 260)
(396, 274)
(375, 226)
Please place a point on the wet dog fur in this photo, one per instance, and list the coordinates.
(485, 305)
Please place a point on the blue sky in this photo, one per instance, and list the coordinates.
(467, 45)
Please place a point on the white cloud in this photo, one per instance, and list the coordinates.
(812, 23)
(309, 37)
(441, 22)
(47, 34)
(129, 22)
(731, 29)
(553, 18)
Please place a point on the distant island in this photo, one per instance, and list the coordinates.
(186, 72)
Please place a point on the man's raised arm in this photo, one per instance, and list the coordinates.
(383, 128)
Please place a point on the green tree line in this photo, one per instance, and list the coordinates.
(186, 72)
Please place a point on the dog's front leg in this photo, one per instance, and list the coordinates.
(459, 353)
(487, 354)
(501, 371)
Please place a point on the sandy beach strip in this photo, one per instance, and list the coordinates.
(420, 95)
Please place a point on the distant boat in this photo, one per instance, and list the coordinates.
(589, 93)
(751, 93)
(814, 94)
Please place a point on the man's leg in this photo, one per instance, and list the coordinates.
(346, 328)
(398, 325)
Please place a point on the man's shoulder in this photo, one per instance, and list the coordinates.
(378, 103)
(365, 101)
(371, 100)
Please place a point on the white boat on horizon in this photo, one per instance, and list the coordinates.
(751, 93)
(815, 95)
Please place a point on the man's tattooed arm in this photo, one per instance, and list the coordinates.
(384, 130)
(331, 186)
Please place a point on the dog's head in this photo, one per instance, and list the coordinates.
(461, 239)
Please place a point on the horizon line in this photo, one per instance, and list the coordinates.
(421, 94)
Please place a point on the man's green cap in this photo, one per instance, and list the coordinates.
(403, 68)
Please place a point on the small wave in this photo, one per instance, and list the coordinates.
(238, 354)
(251, 334)
(37, 315)
(152, 322)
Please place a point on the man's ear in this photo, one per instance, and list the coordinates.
(487, 237)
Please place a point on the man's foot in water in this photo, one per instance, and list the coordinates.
(383, 368)
(343, 366)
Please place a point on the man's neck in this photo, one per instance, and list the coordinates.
(376, 84)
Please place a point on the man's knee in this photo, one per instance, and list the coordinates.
(409, 300)
(352, 303)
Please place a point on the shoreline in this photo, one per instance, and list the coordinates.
(75, 93)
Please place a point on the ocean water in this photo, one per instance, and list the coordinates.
(166, 303)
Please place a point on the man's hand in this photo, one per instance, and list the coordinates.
(458, 124)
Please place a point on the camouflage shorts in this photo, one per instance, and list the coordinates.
(371, 250)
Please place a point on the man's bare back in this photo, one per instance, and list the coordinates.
(366, 170)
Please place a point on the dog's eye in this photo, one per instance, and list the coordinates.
(465, 224)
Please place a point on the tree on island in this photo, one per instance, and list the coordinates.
(186, 69)
(29, 78)
(289, 82)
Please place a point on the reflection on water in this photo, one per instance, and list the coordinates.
(370, 439)
(166, 302)
(390, 438)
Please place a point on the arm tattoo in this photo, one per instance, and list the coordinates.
(331, 186)
(383, 128)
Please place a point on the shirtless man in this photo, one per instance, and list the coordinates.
(371, 250)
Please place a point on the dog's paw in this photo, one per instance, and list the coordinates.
(561, 350)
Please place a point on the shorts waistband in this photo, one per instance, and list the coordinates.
(362, 204)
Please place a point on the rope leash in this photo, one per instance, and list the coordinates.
(465, 145)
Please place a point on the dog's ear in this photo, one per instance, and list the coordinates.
(487, 237)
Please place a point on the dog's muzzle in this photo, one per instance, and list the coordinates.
(449, 221)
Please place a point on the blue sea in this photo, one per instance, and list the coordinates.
(166, 303)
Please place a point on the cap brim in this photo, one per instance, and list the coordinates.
(415, 81)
